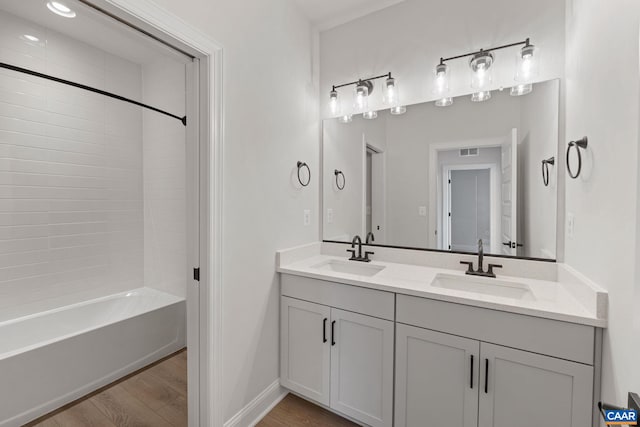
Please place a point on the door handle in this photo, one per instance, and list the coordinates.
(324, 330)
(471, 381)
(333, 326)
(486, 376)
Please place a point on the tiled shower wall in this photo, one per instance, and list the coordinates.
(71, 192)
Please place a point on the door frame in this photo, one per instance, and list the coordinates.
(205, 408)
(494, 201)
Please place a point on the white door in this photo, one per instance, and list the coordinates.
(305, 348)
(436, 379)
(362, 367)
(509, 223)
(378, 226)
(530, 390)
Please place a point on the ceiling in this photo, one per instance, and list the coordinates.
(326, 14)
(92, 28)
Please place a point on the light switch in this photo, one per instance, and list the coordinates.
(570, 224)
(422, 210)
(329, 216)
(307, 217)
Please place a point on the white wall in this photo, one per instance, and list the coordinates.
(602, 103)
(270, 122)
(409, 38)
(70, 171)
(164, 147)
(538, 135)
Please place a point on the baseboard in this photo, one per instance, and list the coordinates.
(255, 410)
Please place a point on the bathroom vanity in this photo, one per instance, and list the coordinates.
(411, 344)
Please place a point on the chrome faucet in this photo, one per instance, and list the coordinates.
(370, 235)
(358, 241)
(480, 271)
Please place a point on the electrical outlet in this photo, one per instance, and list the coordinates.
(307, 217)
(329, 216)
(571, 222)
(422, 210)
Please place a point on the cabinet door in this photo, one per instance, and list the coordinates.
(530, 390)
(436, 379)
(362, 367)
(305, 348)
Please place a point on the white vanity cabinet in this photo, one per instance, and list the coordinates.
(445, 379)
(337, 347)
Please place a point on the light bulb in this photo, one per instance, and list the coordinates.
(522, 89)
(347, 118)
(398, 110)
(361, 101)
(370, 115)
(61, 9)
(334, 106)
(481, 96)
(391, 96)
(480, 65)
(527, 63)
(441, 80)
(444, 102)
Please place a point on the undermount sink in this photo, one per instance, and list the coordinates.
(484, 286)
(349, 267)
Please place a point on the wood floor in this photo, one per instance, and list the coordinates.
(294, 411)
(157, 397)
(154, 397)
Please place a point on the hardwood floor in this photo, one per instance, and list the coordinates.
(294, 411)
(155, 396)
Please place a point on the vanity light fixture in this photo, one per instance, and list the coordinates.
(527, 63)
(481, 96)
(363, 90)
(441, 84)
(60, 9)
(522, 89)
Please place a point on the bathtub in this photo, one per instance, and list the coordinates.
(51, 358)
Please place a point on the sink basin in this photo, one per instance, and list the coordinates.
(350, 267)
(484, 286)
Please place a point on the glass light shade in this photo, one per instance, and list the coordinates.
(347, 118)
(444, 102)
(334, 105)
(398, 110)
(522, 89)
(391, 95)
(481, 96)
(441, 80)
(480, 65)
(527, 61)
(361, 98)
(370, 115)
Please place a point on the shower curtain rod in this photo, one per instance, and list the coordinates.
(90, 89)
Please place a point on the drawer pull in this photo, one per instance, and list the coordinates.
(333, 340)
(471, 381)
(486, 375)
(324, 330)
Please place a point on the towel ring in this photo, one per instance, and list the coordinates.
(545, 169)
(581, 143)
(344, 181)
(300, 166)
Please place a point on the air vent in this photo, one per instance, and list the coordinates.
(469, 152)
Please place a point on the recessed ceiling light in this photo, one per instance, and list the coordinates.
(61, 9)
(30, 38)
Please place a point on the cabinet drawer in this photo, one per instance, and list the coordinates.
(551, 337)
(346, 297)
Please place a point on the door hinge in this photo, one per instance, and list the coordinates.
(196, 274)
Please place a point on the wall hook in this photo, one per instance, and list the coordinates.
(579, 144)
(337, 173)
(302, 165)
(545, 169)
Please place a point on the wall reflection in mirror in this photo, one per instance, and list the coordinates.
(445, 177)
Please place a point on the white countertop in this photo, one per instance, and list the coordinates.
(552, 299)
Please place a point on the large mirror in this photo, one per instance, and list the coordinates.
(445, 177)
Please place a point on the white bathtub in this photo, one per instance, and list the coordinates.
(52, 358)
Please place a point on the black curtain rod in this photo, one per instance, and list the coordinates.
(90, 89)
